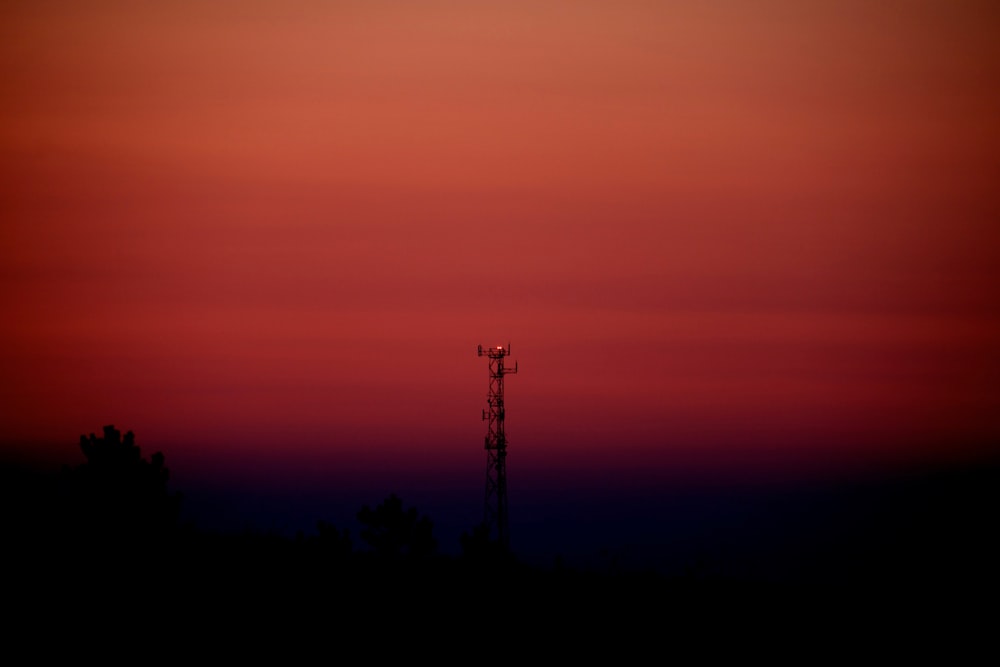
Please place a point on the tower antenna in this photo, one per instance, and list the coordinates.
(495, 505)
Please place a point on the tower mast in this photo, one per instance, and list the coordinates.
(495, 504)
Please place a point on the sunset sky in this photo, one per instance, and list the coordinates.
(727, 239)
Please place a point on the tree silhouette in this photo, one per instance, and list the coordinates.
(477, 547)
(394, 533)
(333, 541)
(329, 546)
(117, 495)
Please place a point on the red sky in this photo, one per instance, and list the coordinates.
(714, 235)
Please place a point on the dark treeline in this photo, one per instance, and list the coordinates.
(109, 528)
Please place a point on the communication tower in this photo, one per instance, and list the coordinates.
(495, 505)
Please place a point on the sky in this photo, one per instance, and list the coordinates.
(728, 240)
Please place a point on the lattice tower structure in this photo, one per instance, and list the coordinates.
(495, 518)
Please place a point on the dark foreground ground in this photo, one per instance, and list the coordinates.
(907, 565)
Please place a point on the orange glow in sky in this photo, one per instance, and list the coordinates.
(714, 232)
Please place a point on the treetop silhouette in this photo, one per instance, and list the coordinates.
(117, 494)
(395, 533)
